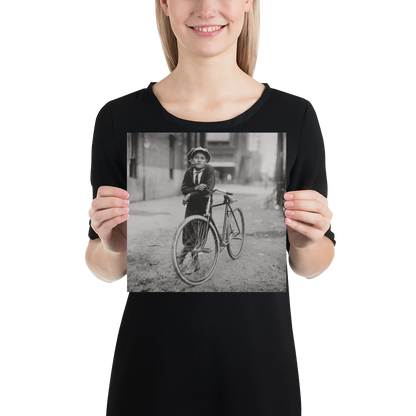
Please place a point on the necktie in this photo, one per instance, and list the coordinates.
(197, 176)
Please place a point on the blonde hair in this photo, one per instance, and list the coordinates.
(247, 43)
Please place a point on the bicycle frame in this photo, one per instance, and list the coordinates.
(227, 212)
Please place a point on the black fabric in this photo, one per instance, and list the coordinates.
(197, 354)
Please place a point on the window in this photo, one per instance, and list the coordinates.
(214, 139)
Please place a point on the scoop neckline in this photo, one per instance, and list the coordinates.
(215, 124)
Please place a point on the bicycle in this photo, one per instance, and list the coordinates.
(197, 242)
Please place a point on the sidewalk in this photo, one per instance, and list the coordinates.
(167, 213)
(164, 213)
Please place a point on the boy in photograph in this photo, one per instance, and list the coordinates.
(198, 183)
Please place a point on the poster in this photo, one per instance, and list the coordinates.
(206, 212)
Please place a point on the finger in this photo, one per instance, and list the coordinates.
(104, 215)
(101, 203)
(112, 191)
(307, 194)
(310, 218)
(105, 230)
(312, 233)
(306, 205)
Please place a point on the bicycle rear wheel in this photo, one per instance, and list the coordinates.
(235, 233)
(195, 250)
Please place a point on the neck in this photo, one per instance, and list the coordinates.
(208, 77)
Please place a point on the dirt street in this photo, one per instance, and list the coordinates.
(260, 268)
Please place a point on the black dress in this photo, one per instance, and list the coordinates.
(207, 354)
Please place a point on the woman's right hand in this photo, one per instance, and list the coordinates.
(108, 214)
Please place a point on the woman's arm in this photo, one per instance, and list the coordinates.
(313, 261)
(308, 218)
(103, 264)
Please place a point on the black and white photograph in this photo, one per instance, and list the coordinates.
(206, 212)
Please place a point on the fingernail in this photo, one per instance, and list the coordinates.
(291, 213)
(289, 204)
(124, 194)
(288, 196)
(124, 202)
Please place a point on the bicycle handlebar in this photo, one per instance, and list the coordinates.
(219, 190)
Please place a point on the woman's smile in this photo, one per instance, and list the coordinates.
(207, 31)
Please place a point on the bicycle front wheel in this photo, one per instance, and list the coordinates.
(195, 250)
(235, 233)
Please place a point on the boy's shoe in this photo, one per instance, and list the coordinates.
(194, 268)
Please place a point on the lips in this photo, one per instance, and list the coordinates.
(207, 28)
(207, 31)
(202, 26)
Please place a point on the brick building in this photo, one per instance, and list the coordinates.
(156, 163)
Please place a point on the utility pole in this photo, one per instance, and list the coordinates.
(280, 169)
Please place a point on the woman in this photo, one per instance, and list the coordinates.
(208, 354)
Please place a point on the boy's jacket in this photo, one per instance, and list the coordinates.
(198, 201)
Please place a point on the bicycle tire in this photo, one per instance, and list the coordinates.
(195, 244)
(235, 233)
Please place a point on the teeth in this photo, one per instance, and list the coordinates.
(209, 29)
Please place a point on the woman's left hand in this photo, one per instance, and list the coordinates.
(308, 217)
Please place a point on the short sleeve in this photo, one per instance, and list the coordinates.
(309, 171)
(106, 166)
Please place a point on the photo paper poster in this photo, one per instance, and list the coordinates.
(206, 212)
